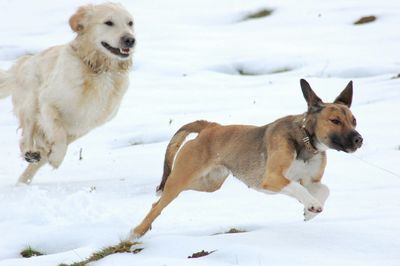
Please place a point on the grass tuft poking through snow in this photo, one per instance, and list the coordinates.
(123, 247)
(30, 252)
(259, 14)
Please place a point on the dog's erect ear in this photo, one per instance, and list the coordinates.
(77, 21)
(313, 101)
(346, 96)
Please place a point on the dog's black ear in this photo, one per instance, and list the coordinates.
(77, 21)
(346, 96)
(313, 101)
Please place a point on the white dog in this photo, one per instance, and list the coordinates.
(65, 91)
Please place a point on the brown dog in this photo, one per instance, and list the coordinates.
(287, 156)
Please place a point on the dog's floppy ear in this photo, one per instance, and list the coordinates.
(78, 20)
(346, 96)
(313, 101)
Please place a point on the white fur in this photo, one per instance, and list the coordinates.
(320, 192)
(304, 170)
(65, 91)
(296, 190)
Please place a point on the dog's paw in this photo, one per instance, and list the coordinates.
(22, 183)
(55, 161)
(314, 207)
(32, 157)
(57, 155)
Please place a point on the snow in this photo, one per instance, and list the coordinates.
(186, 68)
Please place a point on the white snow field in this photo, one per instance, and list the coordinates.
(200, 60)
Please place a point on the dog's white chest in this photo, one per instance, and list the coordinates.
(304, 170)
(95, 102)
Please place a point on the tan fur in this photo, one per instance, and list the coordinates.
(176, 143)
(76, 21)
(317, 178)
(65, 91)
(270, 158)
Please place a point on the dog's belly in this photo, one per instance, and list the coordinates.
(251, 171)
(304, 170)
(252, 179)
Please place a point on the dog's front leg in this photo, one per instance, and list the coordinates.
(27, 146)
(296, 190)
(278, 163)
(280, 184)
(51, 121)
(320, 192)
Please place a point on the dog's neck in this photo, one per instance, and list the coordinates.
(306, 137)
(96, 61)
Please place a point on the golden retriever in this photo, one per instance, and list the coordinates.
(65, 91)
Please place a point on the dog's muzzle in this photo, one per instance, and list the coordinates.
(126, 43)
(347, 143)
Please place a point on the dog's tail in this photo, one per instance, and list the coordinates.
(7, 83)
(175, 144)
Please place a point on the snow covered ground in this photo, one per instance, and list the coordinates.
(188, 62)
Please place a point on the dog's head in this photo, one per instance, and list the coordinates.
(333, 124)
(108, 28)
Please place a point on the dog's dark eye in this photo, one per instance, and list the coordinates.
(336, 121)
(130, 23)
(109, 23)
(354, 122)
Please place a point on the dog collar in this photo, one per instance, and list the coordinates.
(306, 138)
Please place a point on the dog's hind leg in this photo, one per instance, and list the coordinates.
(27, 176)
(188, 166)
(320, 192)
(170, 192)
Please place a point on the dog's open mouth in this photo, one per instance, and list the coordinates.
(122, 52)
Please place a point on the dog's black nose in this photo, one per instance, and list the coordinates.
(357, 140)
(128, 41)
